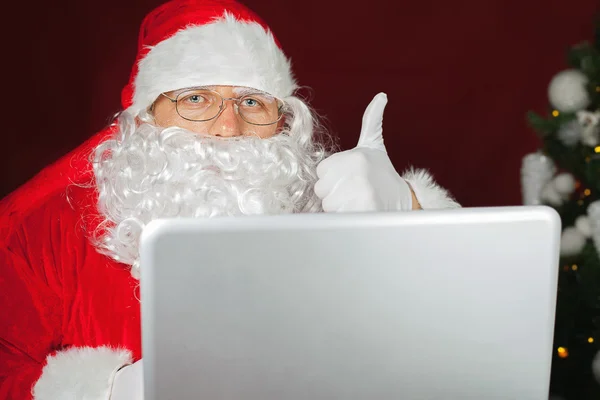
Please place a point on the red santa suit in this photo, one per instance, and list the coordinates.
(70, 315)
(66, 309)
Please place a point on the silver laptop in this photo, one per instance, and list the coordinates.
(455, 304)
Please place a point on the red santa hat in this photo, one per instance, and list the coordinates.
(188, 43)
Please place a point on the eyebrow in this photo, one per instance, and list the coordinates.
(238, 91)
(242, 91)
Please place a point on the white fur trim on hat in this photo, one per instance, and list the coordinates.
(224, 52)
(80, 373)
(429, 194)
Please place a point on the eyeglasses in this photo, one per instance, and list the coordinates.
(199, 104)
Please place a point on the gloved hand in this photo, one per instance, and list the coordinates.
(363, 179)
(129, 383)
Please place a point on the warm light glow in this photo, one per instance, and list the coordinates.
(579, 202)
(591, 340)
(574, 267)
(597, 149)
(597, 88)
(563, 352)
(555, 113)
(587, 192)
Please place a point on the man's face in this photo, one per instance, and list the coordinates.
(231, 120)
(173, 167)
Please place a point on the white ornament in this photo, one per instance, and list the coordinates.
(567, 91)
(564, 183)
(587, 118)
(596, 366)
(590, 131)
(551, 196)
(593, 212)
(569, 133)
(537, 170)
(571, 242)
(590, 136)
(582, 223)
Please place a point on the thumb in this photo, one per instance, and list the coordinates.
(371, 133)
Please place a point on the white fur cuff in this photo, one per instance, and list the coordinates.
(429, 194)
(80, 373)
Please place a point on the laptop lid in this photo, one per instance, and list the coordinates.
(451, 304)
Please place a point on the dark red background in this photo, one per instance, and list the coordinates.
(460, 76)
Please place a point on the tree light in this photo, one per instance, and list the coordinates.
(563, 352)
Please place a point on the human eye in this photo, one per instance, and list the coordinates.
(251, 102)
(195, 99)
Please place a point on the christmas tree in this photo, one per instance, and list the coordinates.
(565, 174)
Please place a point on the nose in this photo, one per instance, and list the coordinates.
(227, 124)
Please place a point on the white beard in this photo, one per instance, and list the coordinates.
(145, 173)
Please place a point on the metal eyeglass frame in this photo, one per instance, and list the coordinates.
(236, 101)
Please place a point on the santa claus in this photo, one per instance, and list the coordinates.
(210, 127)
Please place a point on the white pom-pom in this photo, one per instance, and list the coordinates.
(596, 366)
(588, 118)
(571, 242)
(551, 196)
(593, 212)
(564, 183)
(536, 171)
(590, 127)
(567, 91)
(582, 223)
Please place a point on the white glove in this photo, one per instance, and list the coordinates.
(363, 179)
(129, 383)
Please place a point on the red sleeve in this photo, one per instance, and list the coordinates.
(40, 236)
(31, 303)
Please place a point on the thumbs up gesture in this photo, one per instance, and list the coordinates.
(363, 179)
